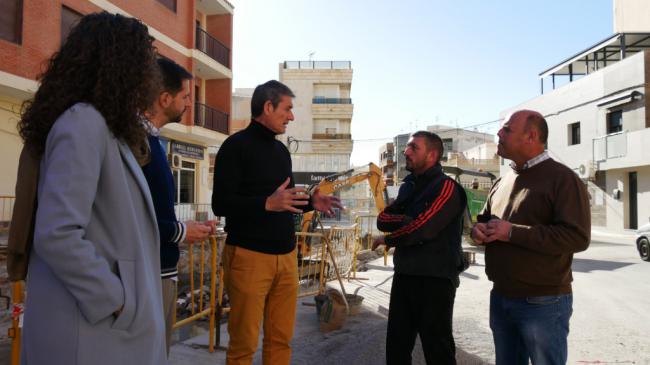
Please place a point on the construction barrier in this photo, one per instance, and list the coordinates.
(198, 308)
(343, 244)
(367, 232)
(312, 263)
(14, 332)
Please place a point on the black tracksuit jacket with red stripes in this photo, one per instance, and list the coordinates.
(425, 225)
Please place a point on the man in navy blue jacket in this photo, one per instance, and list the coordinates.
(172, 102)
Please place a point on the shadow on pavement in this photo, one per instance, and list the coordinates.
(588, 265)
(361, 341)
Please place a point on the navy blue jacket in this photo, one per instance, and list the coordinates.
(161, 184)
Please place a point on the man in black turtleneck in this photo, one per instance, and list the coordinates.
(254, 190)
(425, 225)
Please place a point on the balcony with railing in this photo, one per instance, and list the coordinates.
(210, 118)
(387, 157)
(626, 149)
(214, 7)
(318, 65)
(610, 146)
(331, 136)
(209, 45)
(324, 100)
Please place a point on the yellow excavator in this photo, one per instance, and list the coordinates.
(341, 180)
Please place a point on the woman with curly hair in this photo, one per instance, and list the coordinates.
(94, 294)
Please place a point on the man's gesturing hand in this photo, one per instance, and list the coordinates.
(325, 203)
(284, 199)
(377, 242)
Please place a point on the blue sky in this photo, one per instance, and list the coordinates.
(457, 62)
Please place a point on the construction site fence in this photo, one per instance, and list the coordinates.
(194, 212)
(204, 295)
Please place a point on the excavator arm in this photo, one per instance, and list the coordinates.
(345, 179)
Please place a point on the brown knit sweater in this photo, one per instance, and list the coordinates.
(548, 207)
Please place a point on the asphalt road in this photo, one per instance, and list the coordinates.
(611, 309)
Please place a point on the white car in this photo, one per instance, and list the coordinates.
(643, 241)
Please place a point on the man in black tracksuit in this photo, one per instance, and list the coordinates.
(425, 226)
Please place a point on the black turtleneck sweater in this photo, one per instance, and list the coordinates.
(250, 165)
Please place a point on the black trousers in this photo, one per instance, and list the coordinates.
(421, 305)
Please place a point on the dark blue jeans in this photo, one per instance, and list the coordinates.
(534, 328)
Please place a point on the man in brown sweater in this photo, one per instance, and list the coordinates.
(536, 217)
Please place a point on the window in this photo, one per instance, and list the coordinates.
(69, 18)
(170, 4)
(11, 20)
(447, 146)
(184, 178)
(574, 133)
(615, 122)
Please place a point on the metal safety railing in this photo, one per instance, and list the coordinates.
(211, 118)
(209, 45)
(198, 308)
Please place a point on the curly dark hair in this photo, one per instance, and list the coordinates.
(108, 61)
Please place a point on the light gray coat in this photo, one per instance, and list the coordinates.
(96, 248)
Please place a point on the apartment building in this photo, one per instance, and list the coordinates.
(399, 146)
(466, 149)
(480, 158)
(387, 163)
(197, 34)
(241, 109)
(457, 140)
(319, 138)
(597, 112)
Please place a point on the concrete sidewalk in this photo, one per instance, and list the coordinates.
(602, 234)
(361, 341)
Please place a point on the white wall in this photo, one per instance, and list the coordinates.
(618, 210)
(631, 16)
(326, 90)
(577, 102)
(10, 144)
(483, 151)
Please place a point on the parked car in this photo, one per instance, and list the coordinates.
(643, 241)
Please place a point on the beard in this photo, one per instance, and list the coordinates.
(410, 166)
(175, 117)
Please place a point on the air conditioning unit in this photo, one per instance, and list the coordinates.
(587, 170)
(176, 161)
